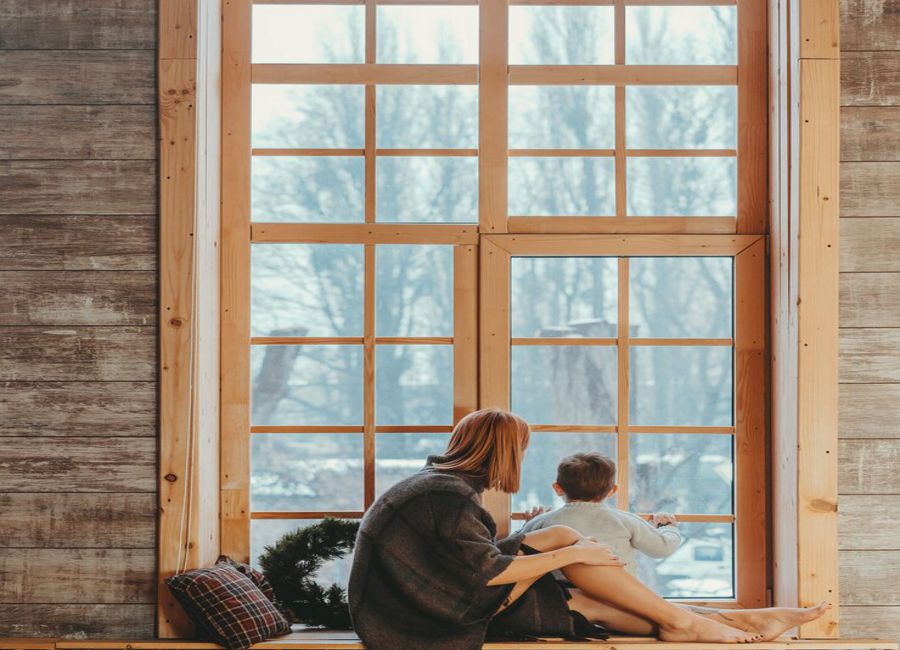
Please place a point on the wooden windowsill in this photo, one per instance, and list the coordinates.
(349, 641)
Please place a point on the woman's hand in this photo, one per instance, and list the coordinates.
(588, 551)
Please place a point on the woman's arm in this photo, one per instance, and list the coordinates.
(528, 567)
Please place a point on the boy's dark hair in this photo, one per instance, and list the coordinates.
(587, 476)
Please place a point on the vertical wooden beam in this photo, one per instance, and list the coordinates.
(465, 330)
(783, 311)
(494, 352)
(235, 357)
(369, 375)
(805, 313)
(493, 99)
(752, 161)
(621, 161)
(370, 116)
(189, 278)
(750, 423)
(817, 320)
(623, 381)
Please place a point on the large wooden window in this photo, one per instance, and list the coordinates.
(555, 208)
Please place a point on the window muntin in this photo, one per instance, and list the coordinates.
(402, 136)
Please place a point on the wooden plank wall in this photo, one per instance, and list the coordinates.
(870, 318)
(78, 318)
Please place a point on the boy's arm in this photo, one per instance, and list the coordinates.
(655, 542)
(533, 524)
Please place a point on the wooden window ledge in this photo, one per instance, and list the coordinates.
(349, 641)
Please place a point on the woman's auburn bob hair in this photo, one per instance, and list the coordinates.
(488, 444)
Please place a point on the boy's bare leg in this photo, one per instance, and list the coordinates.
(616, 587)
(771, 622)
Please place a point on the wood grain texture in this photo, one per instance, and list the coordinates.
(78, 465)
(870, 300)
(79, 77)
(869, 522)
(870, 245)
(870, 133)
(79, 575)
(78, 354)
(78, 242)
(77, 24)
(819, 29)
(870, 25)
(870, 467)
(74, 408)
(78, 187)
(863, 621)
(870, 189)
(870, 79)
(77, 621)
(68, 520)
(870, 356)
(59, 298)
(870, 411)
(863, 578)
(77, 132)
(817, 326)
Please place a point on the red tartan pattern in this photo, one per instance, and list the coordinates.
(228, 606)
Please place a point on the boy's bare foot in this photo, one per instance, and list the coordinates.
(698, 628)
(772, 622)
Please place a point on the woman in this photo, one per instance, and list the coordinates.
(429, 574)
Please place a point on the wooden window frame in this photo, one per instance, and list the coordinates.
(493, 77)
(749, 344)
(803, 86)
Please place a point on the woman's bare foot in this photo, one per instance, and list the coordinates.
(768, 623)
(699, 628)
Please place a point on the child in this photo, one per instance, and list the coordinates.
(585, 481)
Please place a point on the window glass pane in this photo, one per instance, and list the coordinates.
(702, 567)
(681, 473)
(561, 117)
(306, 290)
(306, 472)
(682, 187)
(414, 384)
(681, 35)
(308, 116)
(681, 117)
(435, 34)
(414, 290)
(681, 297)
(561, 35)
(427, 189)
(265, 532)
(564, 384)
(563, 186)
(564, 296)
(398, 455)
(542, 457)
(306, 384)
(681, 385)
(308, 34)
(423, 117)
(315, 189)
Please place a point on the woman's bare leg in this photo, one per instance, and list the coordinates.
(616, 587)
(770, 623)
(611, 617)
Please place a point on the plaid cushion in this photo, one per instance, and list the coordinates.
(228, 606)
(260, 581)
